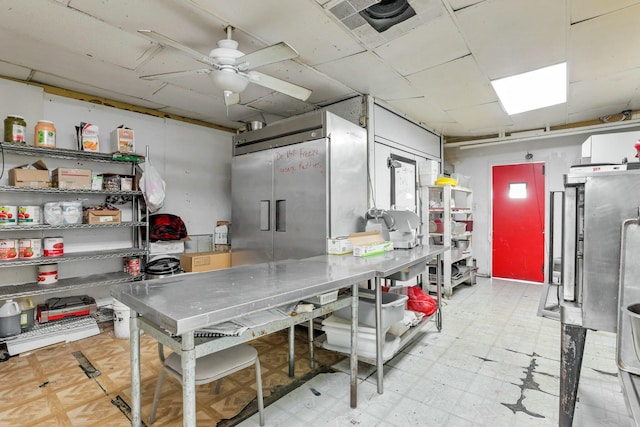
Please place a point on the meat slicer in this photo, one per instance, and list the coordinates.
(400, 227)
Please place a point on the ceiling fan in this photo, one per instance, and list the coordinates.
(231, 70)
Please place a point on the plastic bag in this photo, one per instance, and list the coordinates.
(420, 301)
(152, 186)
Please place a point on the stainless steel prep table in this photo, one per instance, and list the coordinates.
(384, 266)
(178, 306)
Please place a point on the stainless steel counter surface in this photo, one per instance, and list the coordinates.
(382, 265)
(187, 302)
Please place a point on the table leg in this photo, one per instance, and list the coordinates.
(292, 351)
(439, 292)
(572, 340)
(354, 346)
(379, 337)
(188, 380)
(134, 332)
(312, 361)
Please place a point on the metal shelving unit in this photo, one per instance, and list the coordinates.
(16, 290)
(450, 203)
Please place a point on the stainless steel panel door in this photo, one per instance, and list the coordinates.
(609, 199)
(252, 208)
(300, 200)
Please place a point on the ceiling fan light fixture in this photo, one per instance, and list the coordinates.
(229, 79)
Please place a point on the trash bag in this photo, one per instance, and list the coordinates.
(420, 301)
(153, 188)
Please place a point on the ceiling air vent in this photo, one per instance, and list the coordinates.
(387, 13)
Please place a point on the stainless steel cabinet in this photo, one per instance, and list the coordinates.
(295, 184)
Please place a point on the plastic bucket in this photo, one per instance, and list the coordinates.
(121, 314)
(9, 319)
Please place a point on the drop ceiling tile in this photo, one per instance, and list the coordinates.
(281, 105)
(506, 36)
(461, 4)
(595, 113)
(190, 101)
(479, 118)
(455, 84)
(421, 110)
(587, 9)
(601, 45)
(61, 82)
(616, 89)
(208, 118)
(86, 39)
(424, 47)
(323, 87)
(539, 119)
(367, 74)
(317, 37)
(8, 69)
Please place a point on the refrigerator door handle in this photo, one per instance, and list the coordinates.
(265, 220)
(281, 215)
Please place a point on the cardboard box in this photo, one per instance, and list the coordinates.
(33, 175)
(71, 178)
(205, 261)
(369, 243)
(94, 216)
(339, 246)
(122, 140)
(88, 137)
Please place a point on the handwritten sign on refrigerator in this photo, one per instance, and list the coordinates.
(299, 159)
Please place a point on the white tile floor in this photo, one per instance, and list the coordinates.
(495, 363)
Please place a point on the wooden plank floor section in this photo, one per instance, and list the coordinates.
(47, 387)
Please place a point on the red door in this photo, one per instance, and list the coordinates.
(518, 222)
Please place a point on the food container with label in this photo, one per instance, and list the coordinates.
(47, 274)
(9, 319)
(53, 246)
(15, 128)
(8, 249)
(71, 212)
(8, 215)
(53, 213)
(45, 134)
(27, 313)
(29, 248)
(28, 215)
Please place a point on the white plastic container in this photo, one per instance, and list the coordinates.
(47, 274)
(53, 213)
(71, 212)
(338, 332)
(121, 314)
(10, 319)
(392, 306)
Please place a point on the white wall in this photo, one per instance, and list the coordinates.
(194, 161)
(558, 154)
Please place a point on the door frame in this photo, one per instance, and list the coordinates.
(546, 218)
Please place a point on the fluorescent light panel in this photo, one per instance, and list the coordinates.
(532, 90)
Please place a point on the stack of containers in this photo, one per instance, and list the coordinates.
(338, 326)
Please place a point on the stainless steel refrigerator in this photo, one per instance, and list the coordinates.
(294, 184)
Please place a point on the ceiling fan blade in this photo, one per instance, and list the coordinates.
(287, 88)
(274, 53)
(166, 41)
(231, 98)
(176, 74)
